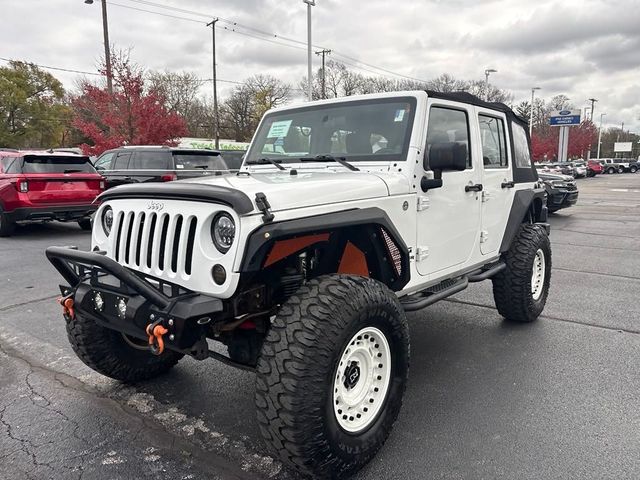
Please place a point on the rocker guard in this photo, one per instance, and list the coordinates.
(86, 273)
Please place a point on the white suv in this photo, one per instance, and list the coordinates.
(346, 214)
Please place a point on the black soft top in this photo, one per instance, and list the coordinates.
(466, 97)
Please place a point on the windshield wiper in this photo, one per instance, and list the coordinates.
(203, 167)
(330, 158)
(264, 161)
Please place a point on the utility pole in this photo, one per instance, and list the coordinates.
(533, 90)
(105, 34)
(487, 72)
(600, 135)
(310, 3)
(593, 106)
(323, 53)
(216, 123)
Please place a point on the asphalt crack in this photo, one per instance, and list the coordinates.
(22, 304)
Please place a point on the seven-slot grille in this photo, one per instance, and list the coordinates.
(155, 241)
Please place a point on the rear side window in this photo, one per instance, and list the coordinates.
(57, 164)
(151, 161)
(9, 165)
(122, 161)
(203, 161)
(447, 125)
(520, 146)
(494, 142)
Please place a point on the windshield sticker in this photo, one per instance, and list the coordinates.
(279, 129)
(399, 115)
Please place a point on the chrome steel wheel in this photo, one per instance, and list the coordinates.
(538, 274)
(362, 380)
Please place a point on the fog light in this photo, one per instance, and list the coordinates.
(98, 302)
(219, 274)
(122, 308)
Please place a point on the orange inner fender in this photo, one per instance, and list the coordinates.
(283, 248)
(353, 261)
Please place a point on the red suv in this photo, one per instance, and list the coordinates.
(43, 186)
(594, 168)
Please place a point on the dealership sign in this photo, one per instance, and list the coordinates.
(564, 117)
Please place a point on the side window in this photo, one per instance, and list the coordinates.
(447, 125)
(151, 161)
(494, 142)
(520, 147)
(122, 161)
(9, 165)
(104, 162)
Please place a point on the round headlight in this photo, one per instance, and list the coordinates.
(107, 220)
(223, 231)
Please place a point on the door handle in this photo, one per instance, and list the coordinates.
(473, 188)
(507, 185)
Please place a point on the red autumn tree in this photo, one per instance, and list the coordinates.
(131, 115)
(544, 141)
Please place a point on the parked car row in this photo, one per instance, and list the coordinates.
(63, 185)
(619, 165)
(575, 169)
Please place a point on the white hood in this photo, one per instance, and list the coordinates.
(306, 189)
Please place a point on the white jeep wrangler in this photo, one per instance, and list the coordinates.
(346, 214)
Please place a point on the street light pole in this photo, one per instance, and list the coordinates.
(593, 106)
(216, 123)
(533, 89)
(486, 81)
(107, 53)
(600, 135)
(310, 3)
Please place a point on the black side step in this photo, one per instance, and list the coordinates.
(421, 300)
(481, 275)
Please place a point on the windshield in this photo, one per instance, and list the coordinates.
(378, 129)
(204, 161)
(57, 164)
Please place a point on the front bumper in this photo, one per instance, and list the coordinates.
(92, 276)
(558, 198)
(64, 213)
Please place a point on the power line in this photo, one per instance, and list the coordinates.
(70, 70)
(268, 34)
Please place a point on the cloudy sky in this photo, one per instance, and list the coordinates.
(581, 48)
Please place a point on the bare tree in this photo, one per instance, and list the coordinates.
(181, 93)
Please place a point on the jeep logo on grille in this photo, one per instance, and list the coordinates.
(157, 206)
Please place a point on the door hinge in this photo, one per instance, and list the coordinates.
(423, 203)
(486, 196)
(421, 253)
(484, 236)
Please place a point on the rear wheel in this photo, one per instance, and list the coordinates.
(7, 227)
(85, 224)
(611, 170)
(332, 374)
(112, 354)
(620, 169)
(520, 291)
(633, 169)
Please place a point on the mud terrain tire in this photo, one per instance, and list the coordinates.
(300, 368)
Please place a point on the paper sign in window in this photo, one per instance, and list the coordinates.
(279, 129)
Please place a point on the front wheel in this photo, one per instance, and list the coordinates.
(633, 169)
(332, 374)
(620, 170)
(520, 290)
(114, 354)
(611, 170)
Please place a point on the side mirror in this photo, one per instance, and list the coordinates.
(447, 156)
(430, 183)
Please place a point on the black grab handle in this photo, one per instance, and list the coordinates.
(473, 188)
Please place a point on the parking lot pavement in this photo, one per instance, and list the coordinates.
(486, 399)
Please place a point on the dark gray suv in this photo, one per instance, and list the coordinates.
(157, 164)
